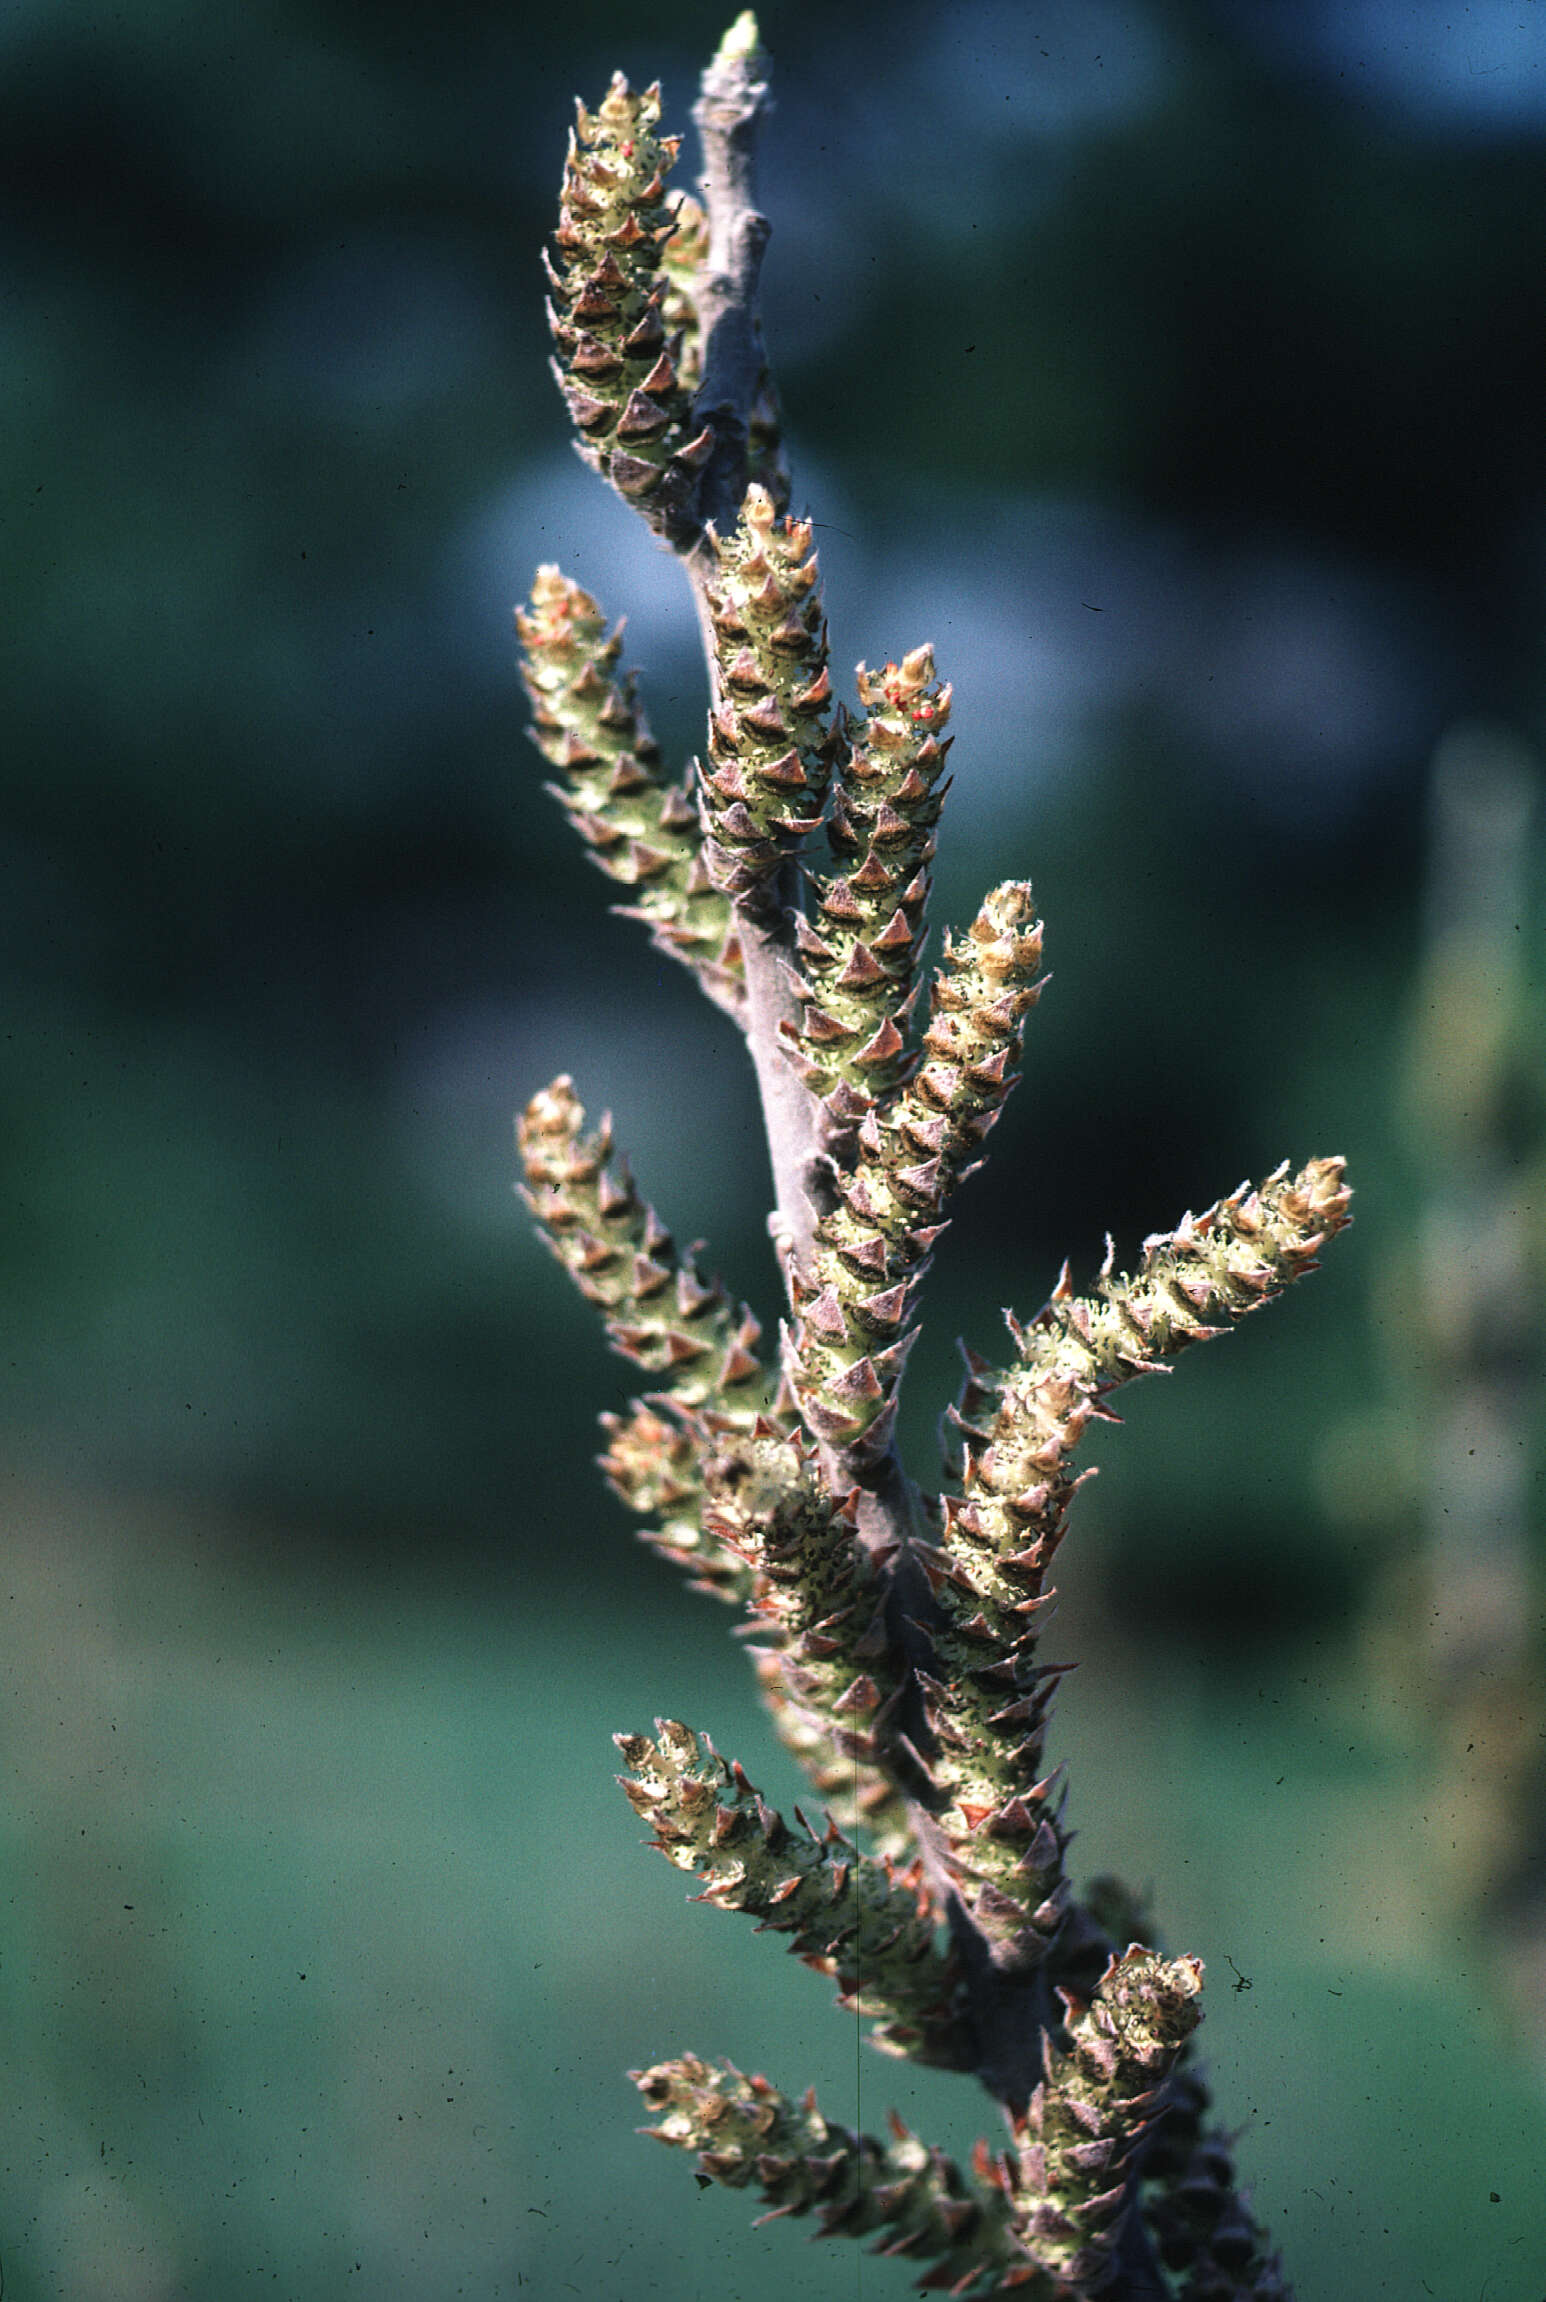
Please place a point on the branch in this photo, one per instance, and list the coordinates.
(732, 103)
(902, 1672)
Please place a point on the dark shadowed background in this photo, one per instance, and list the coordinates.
(1176, 368)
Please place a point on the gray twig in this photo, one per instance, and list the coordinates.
(733, 102)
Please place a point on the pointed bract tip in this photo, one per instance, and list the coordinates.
(742, 39)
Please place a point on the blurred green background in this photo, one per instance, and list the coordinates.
(1176, 367)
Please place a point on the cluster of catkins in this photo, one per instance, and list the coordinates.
(895, 1634)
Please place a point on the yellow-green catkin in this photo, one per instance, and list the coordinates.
(615, 362)
(774, 735)
(1079, 2140)
(661, 1313)
(653, 1464)
(1195, 1281)
(641, 828)
(1005, 1513)
(817, 1605)
(748, 2134)
(855, 1297)
(863, 1799)
(859, 951)
(738, 1511)
(869, 1924)
(987, 1700)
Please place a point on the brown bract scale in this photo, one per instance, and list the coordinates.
(616, 361)
(641, 828)
(1079, 2139)
(747, 2133)
(773, 734)
(867, 1923)
(859, 950)
(855, 1298)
